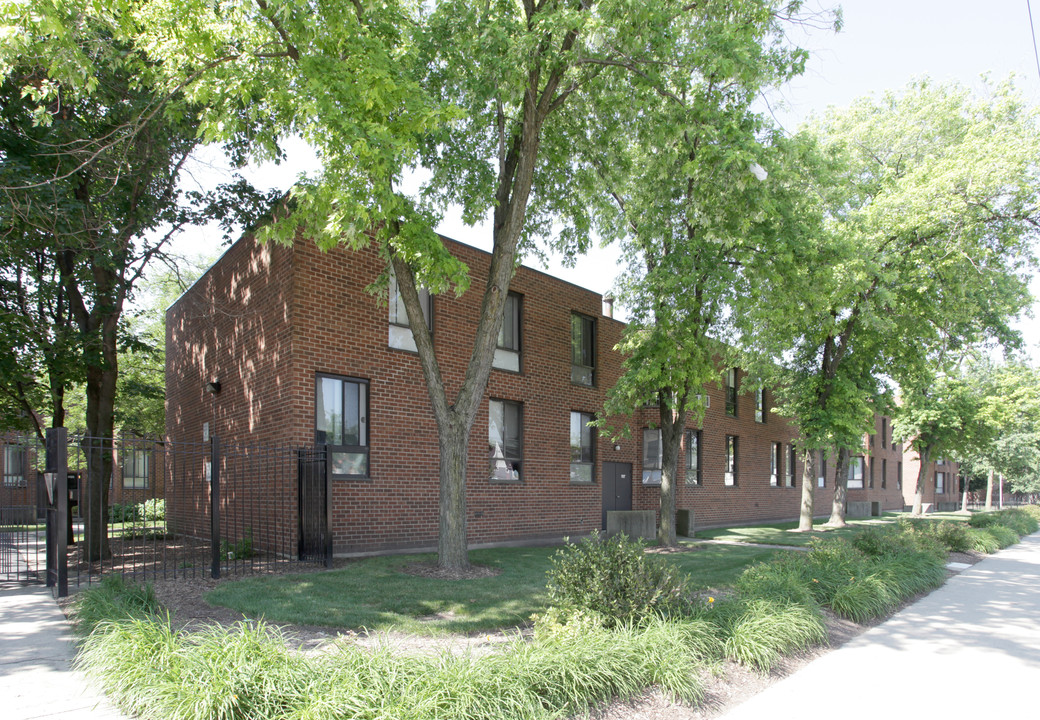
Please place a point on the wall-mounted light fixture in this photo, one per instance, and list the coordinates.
(213, 386)
(617, 446)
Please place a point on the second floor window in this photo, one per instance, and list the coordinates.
(790, 466)
(400, 331)
(760, 405)
(583, 349)
(731, 392)
(507, 350)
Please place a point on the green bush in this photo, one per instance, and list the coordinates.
(865, 598)
(112, 599)
(780, 579)
(953, 535)
(1005, 536)
(152, 510)
(613, 578)
(758, 632)
(241, 549)
(124, 513)
(982, 541)
(1032, 511)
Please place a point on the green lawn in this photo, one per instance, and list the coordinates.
(373, 593)
(786, 534)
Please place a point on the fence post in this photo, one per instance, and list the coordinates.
(214, 497)
(57, 462)
(325, 466)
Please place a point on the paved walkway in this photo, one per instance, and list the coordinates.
(36, 680)
(971, 649)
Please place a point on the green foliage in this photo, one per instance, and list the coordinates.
(246, 671)
(1005, 536)
(953, 535)
(1018, 520)
(241, 549)
(757, 632)
(153, 510)
(124, 513)
(982, 540)
(613, 577)
(113, 599)
(782, 579)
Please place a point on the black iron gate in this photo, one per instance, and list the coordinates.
(314, 507)
(22, 533)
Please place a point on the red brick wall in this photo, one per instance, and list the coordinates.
(266, 320)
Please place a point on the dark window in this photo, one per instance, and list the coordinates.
(760, 405)
(870, 470)
(855, 473)
(507, 352)
(693, 457)
(652, 456)
(583, 350)
(884, 432)
(583, 441)
(899, 475)
(505, 439)
(884, 473)
(136, 462)
(731, 392)
(730, 478)
(821, 478)
(342, 423)
(776, 463)
(790, 466)
(14, 465)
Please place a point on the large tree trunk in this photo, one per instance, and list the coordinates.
(102, 372)
(922, 473)
(672, 424)
(989, 490)
(451, 537)
(841, 481)
(808, 509)
(964, 495)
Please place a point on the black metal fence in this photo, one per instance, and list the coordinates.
(151, 509)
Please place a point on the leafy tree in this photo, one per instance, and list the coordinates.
(486, 97)
(679, 191)
(930, 204)
(89, 194)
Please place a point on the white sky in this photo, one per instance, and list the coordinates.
(883, 45)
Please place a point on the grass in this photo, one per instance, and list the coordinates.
(783, 533)
(373, 593)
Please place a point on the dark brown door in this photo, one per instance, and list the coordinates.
(617, 488)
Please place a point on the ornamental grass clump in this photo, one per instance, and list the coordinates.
(613, 578)
(982, 540)
(759, 632)
(113, 599)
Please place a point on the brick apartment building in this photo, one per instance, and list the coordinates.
(283, 347)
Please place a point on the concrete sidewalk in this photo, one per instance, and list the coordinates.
(36, 650)
(971, 649)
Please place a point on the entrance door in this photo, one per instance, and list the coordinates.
(617, 488)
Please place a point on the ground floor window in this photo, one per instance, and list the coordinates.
(855, 473)
(653, 456)
(776, 462)
(341, 423)
(505, 439)
(730, 476)
(14, 466)
(583, 437)
(693, 457)
(790, 466)
(136, 462)
(940, 483)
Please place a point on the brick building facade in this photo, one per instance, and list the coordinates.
(299, 353)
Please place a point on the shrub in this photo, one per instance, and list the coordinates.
(113, 599)
(865, 598)
(1005, 536)
(982, 541)
(781, 579)
(123, 513)
(613, 578)
(953, 535)
(152, 510)
(758, 632)
(241, 549)
(1032, 511)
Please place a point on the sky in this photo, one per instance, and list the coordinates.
(882, 46)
